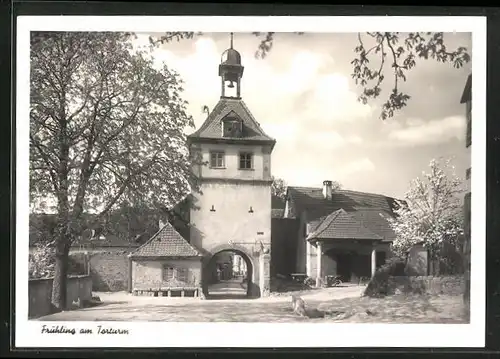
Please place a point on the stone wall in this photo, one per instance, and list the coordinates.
(109, 270)
(447, 285)
(79, 288)
(148, 274)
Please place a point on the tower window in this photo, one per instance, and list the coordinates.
(217, 159)
(232, 128)
(246, 161)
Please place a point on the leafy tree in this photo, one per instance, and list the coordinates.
(378, 55)
(432, 212)
(402, 54)
(278, 187)
(106, 125)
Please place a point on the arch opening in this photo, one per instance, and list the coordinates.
(228, 274)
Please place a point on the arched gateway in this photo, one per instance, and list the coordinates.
(233, 211)
(230, 273)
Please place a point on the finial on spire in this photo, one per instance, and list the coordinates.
(232, 40)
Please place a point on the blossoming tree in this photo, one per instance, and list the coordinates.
(431, 213)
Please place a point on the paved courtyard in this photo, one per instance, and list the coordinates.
(342, 304)
(122, 306)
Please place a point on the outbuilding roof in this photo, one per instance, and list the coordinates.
(167, 242)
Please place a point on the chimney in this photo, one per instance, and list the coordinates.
(327, 189)
(161, 224)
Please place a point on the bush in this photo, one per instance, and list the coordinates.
(310, 281)
(379, 284)
(42, 262)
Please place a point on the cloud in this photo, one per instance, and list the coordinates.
(330, 140)
(361, 165)
(299, 90)
(419, 132)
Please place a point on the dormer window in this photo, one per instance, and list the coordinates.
(232, 127)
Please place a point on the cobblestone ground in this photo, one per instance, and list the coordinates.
(338, 304)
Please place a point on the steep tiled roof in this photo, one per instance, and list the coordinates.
(167, 242)
(368, 209)
(342, 225)
(212, 127)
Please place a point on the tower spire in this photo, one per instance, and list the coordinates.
(232, 40)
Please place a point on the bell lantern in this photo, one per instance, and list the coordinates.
(231, 70)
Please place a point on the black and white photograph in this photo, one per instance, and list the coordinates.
(190, 176)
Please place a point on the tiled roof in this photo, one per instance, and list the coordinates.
(342, 225)
(167, 242)
(212, 127)
(367, 209)
(312, 200)
(109, 241)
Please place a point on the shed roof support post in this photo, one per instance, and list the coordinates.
(319, 254)
(374, 259)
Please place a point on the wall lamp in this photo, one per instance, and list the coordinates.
(212, 209)
(250, 210)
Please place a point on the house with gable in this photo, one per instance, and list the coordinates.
(339, 232)
(166, 264)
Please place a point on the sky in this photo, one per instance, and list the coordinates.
(302, 94)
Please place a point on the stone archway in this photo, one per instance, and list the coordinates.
(252, 289)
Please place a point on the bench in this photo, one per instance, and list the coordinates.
(168, 292)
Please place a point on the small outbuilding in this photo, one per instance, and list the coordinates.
(166, 265)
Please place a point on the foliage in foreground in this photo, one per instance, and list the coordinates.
(41, 261)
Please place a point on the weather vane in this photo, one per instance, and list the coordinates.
(232, 40)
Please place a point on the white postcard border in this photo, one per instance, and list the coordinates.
(155, 334)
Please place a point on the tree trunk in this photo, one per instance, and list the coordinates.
(59, 285)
